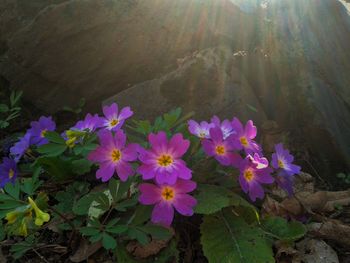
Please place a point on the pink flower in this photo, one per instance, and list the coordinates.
(166, 198)
(113, 156)
(219, 148)
(162, 161)
(243, 138)
(114, 120)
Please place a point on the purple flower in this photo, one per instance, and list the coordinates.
(201, 130)
(21, 147)
(166, 198)
(90, 123)
(282, 159)
(243, 138)
(251, 178)
(39, 128)
(114, 121)
(225, 126)
(260, 162)
(113, 156)
(162, 161)
(282, 162)
(219, 148)
(8, 171)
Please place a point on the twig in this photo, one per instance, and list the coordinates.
(40, 256)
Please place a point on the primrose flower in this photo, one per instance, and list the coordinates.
(282, 159)
(8, 171)
(243, 138)
(40, 216)
(219, 148)
(162, 161)
(166, 198)
(201, 130)
(282, 162)
(225, 126)
(21, 147)
(39, 128)
(113, 156)
(90, 123)
(114, 121)
(251, 178)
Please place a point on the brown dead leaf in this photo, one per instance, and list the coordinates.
(85, 250)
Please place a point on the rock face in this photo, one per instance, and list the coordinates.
(286, 61)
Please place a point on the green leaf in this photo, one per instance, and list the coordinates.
(108, 241)
(2, 232)
(94, 239)
(168, 254)
(226, 238)
(59, 169)
(10, 204)
(13, 189)
(89, 231)
(212, 198)
(141, 215)
(118, 189)
(139, 235)
(102, 201)
(123, 205)
(156, 231)
(284, 230)
(4, 108)
(81, 166)
(4, 124)
(82, 206)
(52, 149)
(54, 137)
(117, 229)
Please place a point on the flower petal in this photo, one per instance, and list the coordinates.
(125, 113)
(178, 146)
(163, 213)
(158, 141)
(184, 186)
(124, 170)
(184, 204)
(250, 130)
(110, 111)
(150, 194)
(105, 172)
(147, 171)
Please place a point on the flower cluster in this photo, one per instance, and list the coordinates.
(171, 178)
(233, 144)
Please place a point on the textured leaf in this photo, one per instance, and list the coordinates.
(52, 149)
(212, 198)
(81, 166)
(54, 137)
(226, 238)
(156, 231)
(284, 230)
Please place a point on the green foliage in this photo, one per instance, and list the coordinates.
(345, 177)
(20, 248)
(228, 238)
(10, 110)
(281, 229)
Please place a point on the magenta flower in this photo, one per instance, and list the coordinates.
(90, 123)
(21, 147)
(243, 138)
(282, 162)
(114, 121)
(8, 171)
(225, 126)
(162, 161)
(113, 156)
(166, 198)
(39, 128)
(251, 178)
(219, 148)
(201, 130)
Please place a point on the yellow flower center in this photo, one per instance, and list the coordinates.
(280, 164)
(248, 175)
(165, 160)
(168, 193)
(116, 155)
(43, 132)
(220, 150)
(113, 122)
(11, 173)
(244, 141)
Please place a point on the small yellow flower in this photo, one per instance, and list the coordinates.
(11, 217)
(40, 216)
